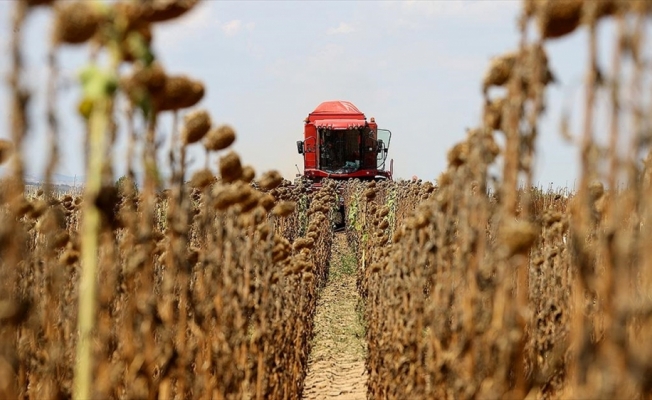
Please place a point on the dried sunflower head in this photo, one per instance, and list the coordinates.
(230, 167)
(165, 10)
(248, 174)
(75, 21)
(219, 138)
(202, 178)
(179, 92)
(270, 180)
(197, 123)
(284, 208)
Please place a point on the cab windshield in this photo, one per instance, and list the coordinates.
(340, 150)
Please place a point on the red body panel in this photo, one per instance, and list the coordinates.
(362, 174)
(310, 147)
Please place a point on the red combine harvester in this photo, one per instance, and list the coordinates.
(339, 143)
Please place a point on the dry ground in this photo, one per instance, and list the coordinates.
(336, 365)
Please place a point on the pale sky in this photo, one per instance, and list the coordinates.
(416, 66)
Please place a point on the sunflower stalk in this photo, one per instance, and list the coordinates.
(99, 87)
(98, 124)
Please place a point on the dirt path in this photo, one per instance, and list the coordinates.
(336, 365)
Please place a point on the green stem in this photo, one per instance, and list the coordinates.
(89, 248)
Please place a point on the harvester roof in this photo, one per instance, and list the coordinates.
(337, 107)
(336, 110)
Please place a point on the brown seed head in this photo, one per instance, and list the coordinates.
(69, 257)
(519, 236)
(396, 237)
(193, 255)
(284, 208)
(145, 80)
(128, 13)
(370, 194)
(493, 111)
(60, 240)
(270, 180)
(459, 154)
(551, 217)
(230, 167)
(224, 197)
(556, 18)
(383, 212)
(444, 179)
(500, 69)
(294, 268)
(264, 231)
(301, 243)
(202, 178)
(383, 240)
(491, 147)
(248, 174)
(279, 253)
(596, 190)
(164, 10)
(267, 202)
(75, 21)
(53, 220)
(228, 195)
(20, 206)
(250, 202)
(179, 92)
(219, 138)
(313, 226)
(196, 125)
(107, 201)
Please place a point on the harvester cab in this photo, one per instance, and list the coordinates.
(339, 143)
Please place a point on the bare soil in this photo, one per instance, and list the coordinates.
(336, 366)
